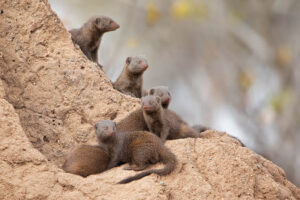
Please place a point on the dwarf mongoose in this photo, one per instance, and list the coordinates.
(135, 120)
(89, 36)
(163, 93)
(138, 148)
(130, 80)
(86, 160)
(164, 123)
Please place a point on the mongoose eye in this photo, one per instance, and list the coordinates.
(151, 91)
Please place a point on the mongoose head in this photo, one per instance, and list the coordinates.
(151, 104)
(105, 130)
(105, 24)
(136, 64)
(163, 93)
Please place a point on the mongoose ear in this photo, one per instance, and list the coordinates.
(97, 20)
(157, 99)
(128, 60)
(151, 91)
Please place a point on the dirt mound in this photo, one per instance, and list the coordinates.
(50, 97)
(211, 168)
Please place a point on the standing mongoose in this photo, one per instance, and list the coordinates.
(86, 160)
(130, 80)
(163, 122)
(89, 36)
(138, 148)
(135, 120)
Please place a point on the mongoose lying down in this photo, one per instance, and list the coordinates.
(164, 123)
(89, 35)
(86, 160)
(138, 148)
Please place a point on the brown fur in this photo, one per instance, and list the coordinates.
(163, 122)
(133, 122)
(163, 93)
(200, 128)
(130, 80)
(86, 160)
(138, 148)
(89, 36)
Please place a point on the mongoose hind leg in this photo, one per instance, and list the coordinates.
(186, 131)
(136, 167)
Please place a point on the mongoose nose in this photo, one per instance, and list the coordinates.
(146, 66)
(145, 107)
(111, 133)
(115, 25)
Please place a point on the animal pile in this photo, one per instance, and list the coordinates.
(139, 138)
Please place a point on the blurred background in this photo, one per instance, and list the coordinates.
(231, 65)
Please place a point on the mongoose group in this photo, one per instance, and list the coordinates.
(139, 138)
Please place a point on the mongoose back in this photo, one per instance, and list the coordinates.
(130, 80)
(163, 122)
(164, 94)
(89, 36)
(86, 160)
(133, 122)
(138, 148)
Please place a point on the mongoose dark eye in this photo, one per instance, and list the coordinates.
(151, 91)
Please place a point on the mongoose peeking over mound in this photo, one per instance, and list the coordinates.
(86, 160)
(163, 122)
(130, 80)
(138, 148)
(89, 36)
(164, 94)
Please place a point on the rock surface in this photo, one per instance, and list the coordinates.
(50, 97)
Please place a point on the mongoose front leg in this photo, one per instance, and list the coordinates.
(113, 162)
(164, 134)
(87, 53)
